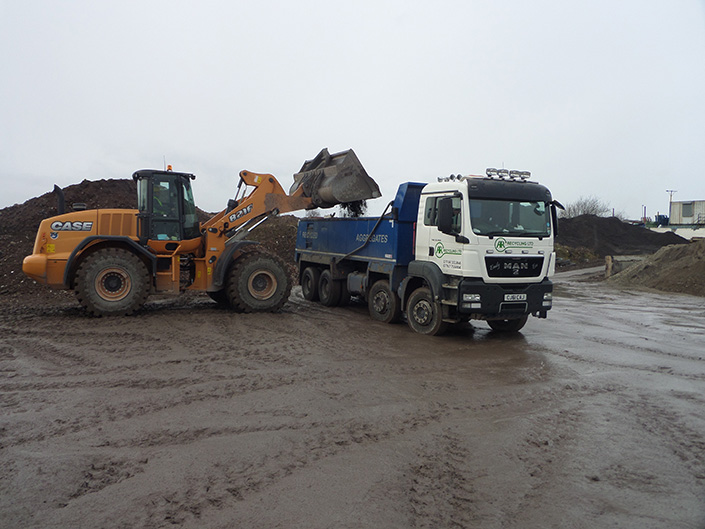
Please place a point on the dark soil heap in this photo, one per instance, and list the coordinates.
(610, 236)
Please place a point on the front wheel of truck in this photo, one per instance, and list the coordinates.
(423, 314)
(512, 325)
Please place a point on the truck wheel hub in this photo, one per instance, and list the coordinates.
(422, 312)
(380, 303)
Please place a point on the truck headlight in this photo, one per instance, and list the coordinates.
(547, 299)
(471, 297)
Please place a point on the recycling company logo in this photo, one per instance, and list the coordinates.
(441, 250)
(501, 244)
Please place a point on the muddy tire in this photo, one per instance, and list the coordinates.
(329, 290)
(112, 282)
(423, 314)
(513, 325)
(383, 304)
(258, 282)
(309, 283)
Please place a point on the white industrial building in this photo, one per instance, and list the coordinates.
(687, 212)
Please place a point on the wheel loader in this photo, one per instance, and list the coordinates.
(115, 258)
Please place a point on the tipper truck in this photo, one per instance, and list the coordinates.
(467, 247)
(115, 258)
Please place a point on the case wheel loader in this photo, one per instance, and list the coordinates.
(115, 258)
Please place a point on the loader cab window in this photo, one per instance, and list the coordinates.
(167, 209)
(191, 226)
(166, 224)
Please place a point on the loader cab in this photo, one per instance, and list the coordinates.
(167, 211)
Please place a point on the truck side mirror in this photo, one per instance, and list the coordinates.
(445, 216)
(555, 205)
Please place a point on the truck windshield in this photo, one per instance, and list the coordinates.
(510, 218)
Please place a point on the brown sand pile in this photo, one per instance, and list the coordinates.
(678, 268)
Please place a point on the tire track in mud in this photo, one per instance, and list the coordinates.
(193, 416)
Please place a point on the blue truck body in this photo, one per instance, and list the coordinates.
(324, 240)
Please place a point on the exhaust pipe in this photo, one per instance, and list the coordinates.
(61, 201)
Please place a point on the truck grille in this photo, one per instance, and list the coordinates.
(506, 266)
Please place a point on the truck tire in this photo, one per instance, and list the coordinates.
(384, 305)
(329, 290)
(423, 314)
(309, 283)
(112, 282)
(512, 325)
(258, 282)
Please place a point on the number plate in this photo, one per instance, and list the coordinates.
(515, 297)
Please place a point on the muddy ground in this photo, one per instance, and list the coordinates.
(188, 415)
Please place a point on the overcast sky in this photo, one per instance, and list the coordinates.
(595, 98)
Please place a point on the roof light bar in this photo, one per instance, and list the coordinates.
(506, 173)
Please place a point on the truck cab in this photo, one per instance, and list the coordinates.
(491, 241)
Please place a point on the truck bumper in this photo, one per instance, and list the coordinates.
(488, 300)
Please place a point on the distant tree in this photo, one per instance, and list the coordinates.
(586, 206)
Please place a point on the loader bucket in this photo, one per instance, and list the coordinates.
(332, 179)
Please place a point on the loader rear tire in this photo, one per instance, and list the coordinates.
(258, 282)
(112, 282)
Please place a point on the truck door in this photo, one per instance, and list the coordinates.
(444, 249)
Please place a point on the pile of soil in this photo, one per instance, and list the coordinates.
(604, 236)
(677, 268)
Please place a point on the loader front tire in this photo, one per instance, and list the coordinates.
(112, 282)
(258, 282)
